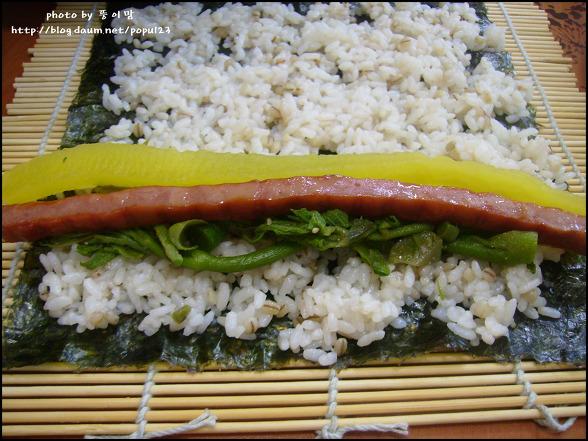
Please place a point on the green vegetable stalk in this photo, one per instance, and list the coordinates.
(203, 261)
(378, 242)
(510, 248)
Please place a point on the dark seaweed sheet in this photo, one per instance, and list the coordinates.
(32, 337)
(87, 119)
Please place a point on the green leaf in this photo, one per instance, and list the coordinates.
(178, 234)
(128, 252)
(65, 240)
(417, 250)
(337, 218)
(88, 249)
(360, 229)
(99, 259)
(281, 228)
(447, 231)
(171, 251)
(374, 258)
(147, 240)
(116, 237)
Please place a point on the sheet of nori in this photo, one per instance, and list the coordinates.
(31, 337)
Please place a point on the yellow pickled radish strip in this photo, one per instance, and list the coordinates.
(126, 165)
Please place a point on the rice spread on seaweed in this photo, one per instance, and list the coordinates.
(307, 79)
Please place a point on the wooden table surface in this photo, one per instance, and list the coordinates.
(568, 24)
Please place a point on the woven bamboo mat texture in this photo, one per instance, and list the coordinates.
(437, 389)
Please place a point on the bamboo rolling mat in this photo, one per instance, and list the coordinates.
(437, 389)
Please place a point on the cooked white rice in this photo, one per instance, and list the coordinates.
(477, 300)
(296, 84)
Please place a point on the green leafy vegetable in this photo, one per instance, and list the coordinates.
(373, 258)
(179, 315)
(171, 252)
(178, 234)
(378, 242)
(510, 248)
(203, 261)
(196, 233)
(404, 230)
(417, 250)
(447, 232)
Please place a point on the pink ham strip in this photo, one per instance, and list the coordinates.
(145, 206)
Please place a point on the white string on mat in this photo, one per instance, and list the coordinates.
(12, 273)
(331, 431)
(42, 145)
(205, 419)
(543, 97)
(548, 420)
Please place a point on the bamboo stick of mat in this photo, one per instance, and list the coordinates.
(287, 386)
(295, 425)
(293, 412)
(237, 401)
(280, 375)
(293, 387)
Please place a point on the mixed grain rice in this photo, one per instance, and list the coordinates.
(284, 83)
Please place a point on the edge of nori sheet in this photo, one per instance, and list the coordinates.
(87, 118)
(32, 337)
